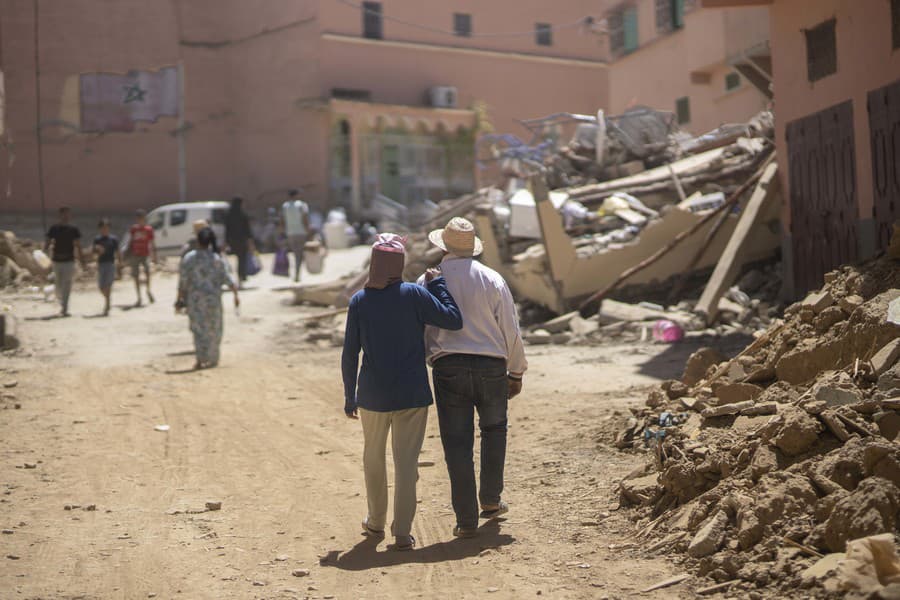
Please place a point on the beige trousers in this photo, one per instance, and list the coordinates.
(407, 429)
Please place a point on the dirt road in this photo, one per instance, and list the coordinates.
(264, 435)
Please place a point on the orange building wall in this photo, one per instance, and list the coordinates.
(487, 17)
(865, 62)
(257, 74)
(659, 71)
(513, 88)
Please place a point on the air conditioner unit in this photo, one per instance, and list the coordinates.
(442, 96)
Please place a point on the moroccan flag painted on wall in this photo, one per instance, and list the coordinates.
(113, 102)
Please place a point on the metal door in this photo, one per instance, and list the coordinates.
(824, 207)
(884, 129)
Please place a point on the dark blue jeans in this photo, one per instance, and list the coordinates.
(464, 384)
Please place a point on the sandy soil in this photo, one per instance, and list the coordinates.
(265, 435)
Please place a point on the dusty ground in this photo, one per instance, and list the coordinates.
(265, 435)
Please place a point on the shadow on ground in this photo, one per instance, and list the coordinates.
(669, 364)
(365, 554)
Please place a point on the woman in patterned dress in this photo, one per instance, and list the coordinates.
(202, 274)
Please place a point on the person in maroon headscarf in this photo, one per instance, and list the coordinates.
(390, 393)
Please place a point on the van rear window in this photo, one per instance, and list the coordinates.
(218, 216)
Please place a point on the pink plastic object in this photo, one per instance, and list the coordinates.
(667, 331)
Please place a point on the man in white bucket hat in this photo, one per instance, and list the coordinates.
(478, 368)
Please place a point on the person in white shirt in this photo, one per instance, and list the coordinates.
(295, 214)
(478, 368)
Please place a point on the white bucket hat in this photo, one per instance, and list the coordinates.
(457, 238)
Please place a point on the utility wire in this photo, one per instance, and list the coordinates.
(579, 23)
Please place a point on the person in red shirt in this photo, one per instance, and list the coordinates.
(140, 248)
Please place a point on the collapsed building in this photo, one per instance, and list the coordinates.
(764, 464)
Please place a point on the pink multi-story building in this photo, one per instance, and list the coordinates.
(836, 69)
(343, 99)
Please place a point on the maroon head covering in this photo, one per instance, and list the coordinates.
(388, 259)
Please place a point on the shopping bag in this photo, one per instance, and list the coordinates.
(254, 265)
(282, 266)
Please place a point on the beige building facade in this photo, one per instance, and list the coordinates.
(345, 100)
(836, 67)
(708, 65)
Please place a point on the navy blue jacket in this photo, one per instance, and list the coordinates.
(389, 326)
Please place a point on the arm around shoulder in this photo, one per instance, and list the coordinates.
(438, 308)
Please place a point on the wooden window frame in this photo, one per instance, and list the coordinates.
(373, 20)
(821, 50)
(543, 34)
(462, 24)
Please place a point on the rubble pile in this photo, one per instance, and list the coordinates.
(749, 308)
(786, 452)
(645, 139)
(21, 261)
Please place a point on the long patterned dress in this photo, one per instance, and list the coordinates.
(203, 274)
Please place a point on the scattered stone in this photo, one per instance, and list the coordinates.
(836, 396)
(763, 408)
(834, 424)
(282, 558)
(726, 409)
(699, 363)
(300, 572)
(888, 424)
(13, 556)
(824, 566)
(818, 301)
(732, 393)
(850, 303)
(885, 358)
(710, 537)
(765, 460)
(674, 389)
(872, 508)
(214, 506)
(10, 384)
(29, 465)
(828, 318)
(642, 491)
(7, 532)
(798, 433)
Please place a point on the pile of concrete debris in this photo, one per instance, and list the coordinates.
(21, 261)
(765, 462)
(749, 307)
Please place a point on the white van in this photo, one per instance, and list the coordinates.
(173, 224)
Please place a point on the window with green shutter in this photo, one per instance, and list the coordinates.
(630, 28)
(669, 15)
(683, 110)
(732, 81)
(678, 13)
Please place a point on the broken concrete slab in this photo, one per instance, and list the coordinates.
(731, 393)
(885, 358)
(710, 537)
(726, 409)
(818, 301)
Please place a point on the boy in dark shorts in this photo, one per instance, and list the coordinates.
(106, 249)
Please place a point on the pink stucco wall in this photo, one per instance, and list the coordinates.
(487, 18)
(257, 76)
(513, 88)
(659, 71)
(865, 61)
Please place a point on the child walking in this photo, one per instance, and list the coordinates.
(106, 249)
